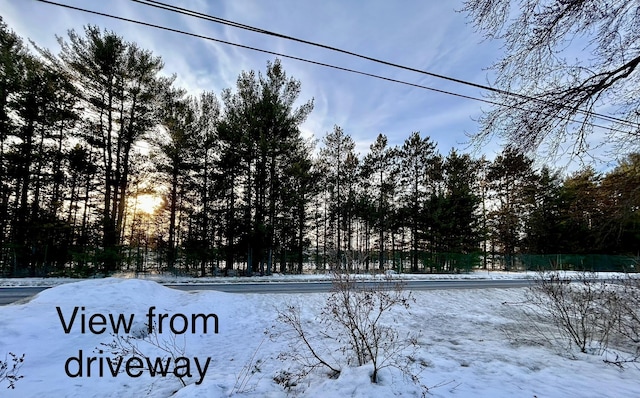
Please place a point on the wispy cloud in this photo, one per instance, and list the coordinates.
(425, 35)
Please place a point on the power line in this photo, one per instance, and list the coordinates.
(309, 61)
(211, 18)
(267, 51)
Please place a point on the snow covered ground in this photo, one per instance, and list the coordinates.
(461, 343)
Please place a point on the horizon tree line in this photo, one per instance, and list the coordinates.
(87, 131)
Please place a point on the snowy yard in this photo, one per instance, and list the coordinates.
(461, 343)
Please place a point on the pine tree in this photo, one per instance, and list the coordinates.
(511, 177)
(34, 105)
(417, 161)
(12, 57)
(339, 163)
(461, 221)
(620, 195)
(176, 160)
(301, 186)
(544, 232)
(207, 120)
(379, 171)
(580, 212)
(119, 84)
(261, 128)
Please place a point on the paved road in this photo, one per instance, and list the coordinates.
(12, 294)
(318, 287)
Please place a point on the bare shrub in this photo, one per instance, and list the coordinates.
(305, 347)
(353, 315)
(128, 346)
(355, 312)
(625, 300)
(629, 309)
(251, 368)
(581, 309)
(594, 315)
(10, 369)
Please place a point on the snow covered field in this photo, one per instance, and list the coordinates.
(461, 340)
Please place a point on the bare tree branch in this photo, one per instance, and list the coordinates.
(569, 68)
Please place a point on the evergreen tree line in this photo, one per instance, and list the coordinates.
(87, 132)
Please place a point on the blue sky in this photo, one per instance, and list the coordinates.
(426, 35)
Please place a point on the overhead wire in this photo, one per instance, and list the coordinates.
(211, 18)
(277, 54)
(266, 51)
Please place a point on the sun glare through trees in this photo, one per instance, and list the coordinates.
(147, 203)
